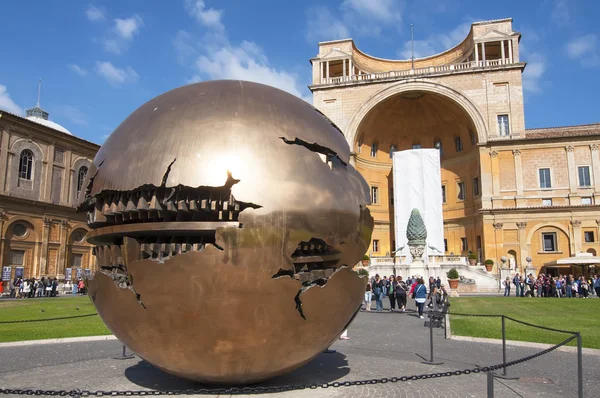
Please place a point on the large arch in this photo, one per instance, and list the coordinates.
(544, 225)
(416, 85)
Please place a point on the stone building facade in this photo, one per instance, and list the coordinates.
(508, 191)
(42, 167)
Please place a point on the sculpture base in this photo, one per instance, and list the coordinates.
(453, 293)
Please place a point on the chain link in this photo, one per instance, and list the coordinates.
(272, 389)
(48, 319)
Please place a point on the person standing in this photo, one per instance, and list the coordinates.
(506, 284)
(391, 292)
(516, 283)
(401, 289)
(378, 293)
(368, 296)
(420, 295)
(597, 285)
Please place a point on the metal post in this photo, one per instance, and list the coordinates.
(504, 375)
(579, 367)
(430, 361)
(490, 384)
(124, 354)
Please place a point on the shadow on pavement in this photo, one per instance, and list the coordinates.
(323, 369)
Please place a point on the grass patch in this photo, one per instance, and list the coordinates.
(577, 315)
(43, 308)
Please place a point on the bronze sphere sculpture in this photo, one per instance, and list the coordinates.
(226, 220)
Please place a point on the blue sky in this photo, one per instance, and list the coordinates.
(100, 60)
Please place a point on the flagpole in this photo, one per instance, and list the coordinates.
(412, 44)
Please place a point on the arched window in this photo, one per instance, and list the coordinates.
(26, 164)
(81, 177)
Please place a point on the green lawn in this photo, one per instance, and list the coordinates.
(49, 308)
(578, 315)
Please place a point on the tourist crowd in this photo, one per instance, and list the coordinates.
(549, 286)
(397, 291)
(44, 287)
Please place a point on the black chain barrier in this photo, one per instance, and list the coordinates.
(48, 319)
(273, 389)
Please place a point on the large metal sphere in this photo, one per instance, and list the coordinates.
(227, 219)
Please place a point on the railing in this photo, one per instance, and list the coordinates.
(415, 72)
(404, 260)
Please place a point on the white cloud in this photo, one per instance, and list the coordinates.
(120, 36)
(360, 17)
(127, 28)
(378, 10)
(560, 13)
(534, 71)
(73, 114)
(95, 13)
(584, 49)
(78, 69)
(435, 43)
(7, 103)
(208, 17)
(116, 76)
(215, 57)
(324, 26)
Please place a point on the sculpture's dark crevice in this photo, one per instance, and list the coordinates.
(88, 200)
(123, 280)
(166, 175)
(151, 203)
(314, 147)
(299, 304)
(283, 272)
(120, 267)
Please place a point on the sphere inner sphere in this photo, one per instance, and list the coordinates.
(226, 219)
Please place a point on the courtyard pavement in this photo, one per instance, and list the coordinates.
(381, 345)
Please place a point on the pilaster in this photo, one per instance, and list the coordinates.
(576, 236)
(46, 184)
(45, 239)
(3, 218)
(572, 169)
(495, 174)
(4, 142)
(499, 238)
(523, 249)
(596, 171)
(519, 177)
(62, 255)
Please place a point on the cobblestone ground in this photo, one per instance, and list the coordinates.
(381, 345)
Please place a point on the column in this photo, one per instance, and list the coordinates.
(518, 171)
(62, 254)
(510, 52)
(350, 67)
(2, 219)
(596, 171)
(327, 72)
(343, 69)
(523, 250)
(477, 53)
(572, 169)
(321, 73)
(597, 238)
(485, 171)
(499, 238)
(483, 53)
(44, 254)
(502, 50)
(495, 173)
(4, 142)
(576, 238)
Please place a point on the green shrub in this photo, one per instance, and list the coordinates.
(472, 256)
(452, 274)
(364, 272)
(489, 262)
(365, 258)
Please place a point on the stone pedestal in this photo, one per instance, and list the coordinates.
(504, 272)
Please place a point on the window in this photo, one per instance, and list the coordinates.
(476, 186)
(373, 149)
(546, 202)
(80, 178)
(458, 144)
(461, 190)
(392, 150)
(437, 144)
(26, 164)
(478, 242)
(392, 197)
(77, 259)
(17, 257)
(19, 230)
(584, 176)
(374, 195)
(545, 181)
(549, 240)
(416, 145)
(443, 194)
(588, 236)
(359, 144)
(463, 243)
(446, 245)
(375, 246)
(473, 137)
(586, 201)
(394, 245)
(78, 236)
(503, 129)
